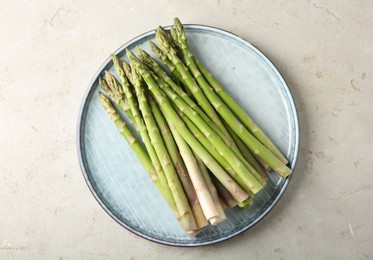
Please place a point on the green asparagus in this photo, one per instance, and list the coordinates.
(209, 161)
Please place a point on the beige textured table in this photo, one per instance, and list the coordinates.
(49, 50)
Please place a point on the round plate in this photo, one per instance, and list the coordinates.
(121, 185)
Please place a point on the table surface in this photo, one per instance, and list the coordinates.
(51, 49)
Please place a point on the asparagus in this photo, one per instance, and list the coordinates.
(131, 139)
(181, 201)
(165, 79)
(221, 215)
(163, 57)
(190, 83)
(156, 68)
(206, 143)
(127, 70)
(145, 138)
(118, 98)
(262, 163)
(181, 169)
(224, 145)
(228, 196)
(223, 204)
(240, 113)
(209, 161)
(256, 146)
(224, 194)
(248, 156)
(168, 37)
(209, 147)
(173, 35)
(209, 209)
(234, 161)
(226, 138)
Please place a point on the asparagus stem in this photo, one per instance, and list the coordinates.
(209, 147)
(240, 113)
(204, 141)
(264, 165)
(209, 209)
(181, 201)
(224, 193)
(191, 84)
(248, 156)
(245, 204)
(181, 169)
(210, 162)
(256, 146)
(131, 140)
(145, 136)
(214, 194)
(234, 161)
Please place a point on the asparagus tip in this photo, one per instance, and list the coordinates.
(115, 59)
(141, 52)
(153, 46)
(130, 54)
(178, 23)
(103, 98)
(100, 80)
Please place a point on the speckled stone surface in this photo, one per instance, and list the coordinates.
(50, 51)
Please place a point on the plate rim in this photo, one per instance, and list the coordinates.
(154, 239)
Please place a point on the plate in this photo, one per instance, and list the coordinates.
(120, 184)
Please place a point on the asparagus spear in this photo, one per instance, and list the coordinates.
(131, 139)
(220, 146)
(248, 156)
(146, 139)
(221, 215)
(256, 146)
(181, 169)
(209, 161)
(240, 113)
(181, 201)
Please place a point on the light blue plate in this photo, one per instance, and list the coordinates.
(121, 185)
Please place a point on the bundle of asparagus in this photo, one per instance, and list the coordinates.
(202, 151)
